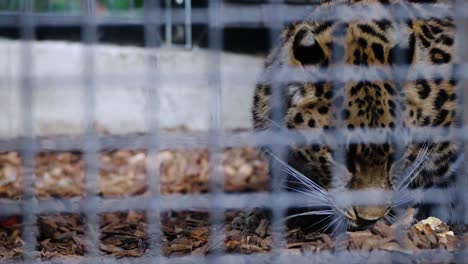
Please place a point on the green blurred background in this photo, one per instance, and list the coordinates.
(71, 5)
(121, 30)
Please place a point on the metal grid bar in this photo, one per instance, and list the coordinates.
(277, 112)
(461, 20)
(355, 257)
(93, 143)
(225, 201)
(398, 145)
(282, 75)
(215, 10)
(244, 139)
(461, 23)
(153, 211)
(339, 151)
(29, 229)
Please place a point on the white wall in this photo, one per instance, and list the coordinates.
(183, 79)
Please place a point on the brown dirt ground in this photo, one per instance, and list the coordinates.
(123, 173)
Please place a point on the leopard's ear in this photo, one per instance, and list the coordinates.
(305, 48)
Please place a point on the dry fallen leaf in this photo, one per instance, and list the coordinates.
(245, 170)
(10, 175)
(183, 171)
(10, 237)
(436, 232)
(433, 224)
(185, 232)
(187, 171)
(124, 234)
(122, 173)
(61, 235)
(59, 174)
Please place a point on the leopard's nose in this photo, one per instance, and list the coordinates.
(366, 215)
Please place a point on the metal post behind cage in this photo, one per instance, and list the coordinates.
(168, 25)
(188, 24)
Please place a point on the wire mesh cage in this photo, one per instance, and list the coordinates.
(147, 154)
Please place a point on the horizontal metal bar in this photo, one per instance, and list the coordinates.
(241, 201)
(326, 257)
(188, 140)
(283, 74)
(351, 73)
(257, 15)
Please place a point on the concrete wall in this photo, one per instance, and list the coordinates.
(183, 78)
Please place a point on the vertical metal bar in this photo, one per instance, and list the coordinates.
(168, 9)
(152, 17)
(461, 40)
(278, 112)
(339, 155)
(91, 143)
(29, 230)
(216, 126)
(188, 24)
(400, 146)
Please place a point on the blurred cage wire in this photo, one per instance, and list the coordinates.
(28, 14)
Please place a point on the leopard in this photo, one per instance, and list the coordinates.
(324, 45)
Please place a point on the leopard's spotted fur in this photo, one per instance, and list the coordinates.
(427, 101)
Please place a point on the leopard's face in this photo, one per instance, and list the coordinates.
(364, 104)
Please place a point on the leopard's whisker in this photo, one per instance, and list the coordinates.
(307, 187)
(319, 201)
(320, 221)
(326, 227)
(308, 192)
(299, 176)
(338, 225)
(321, 212)
(412, 167)
(416, 168)
(271, 121)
